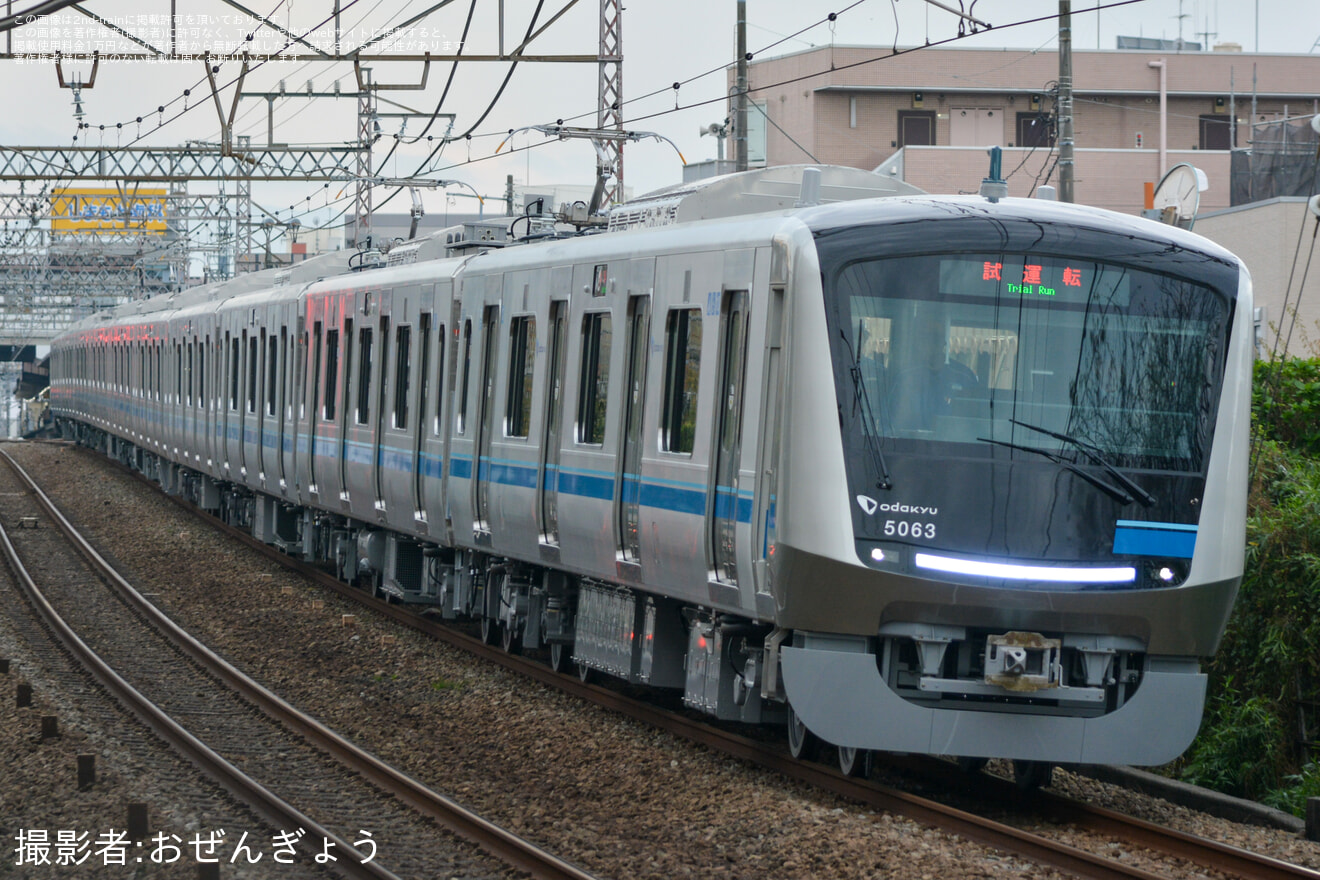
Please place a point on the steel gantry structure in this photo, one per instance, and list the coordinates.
(52, 271)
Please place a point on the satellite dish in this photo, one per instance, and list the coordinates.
(1178, 196)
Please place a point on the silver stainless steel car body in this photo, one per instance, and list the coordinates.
(653, 449)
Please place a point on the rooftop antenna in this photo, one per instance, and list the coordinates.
(1178, 196)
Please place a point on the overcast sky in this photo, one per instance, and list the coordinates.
(663, 42)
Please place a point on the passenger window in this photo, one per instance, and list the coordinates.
(594, 383)
(678, 421)
(522, 365)
(272, 374)
(402, 368)
(331, 370)
(437, 423)
(252, 374)
(364, 375)
(234, 352)
(467, 369)
(423, 367)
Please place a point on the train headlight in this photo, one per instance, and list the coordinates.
(877, 554)
(1166, 572)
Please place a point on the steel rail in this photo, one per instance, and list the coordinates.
(1165, 841)
(269, 806)
(498, 842)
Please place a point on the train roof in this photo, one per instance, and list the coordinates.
(825, 218)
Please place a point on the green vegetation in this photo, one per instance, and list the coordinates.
(1265, 681)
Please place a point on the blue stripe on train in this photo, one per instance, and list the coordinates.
(1137, 538)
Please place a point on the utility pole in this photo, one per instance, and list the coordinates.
(1065, 109)
(740, 94)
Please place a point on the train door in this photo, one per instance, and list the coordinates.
(382, 397)
(261, 363)
(490, 327)
(772, 395)
(344, 409)
(279, 379)
(422, 385)
(723, 505)
(554, 420)
(313, 406)
(630, 456)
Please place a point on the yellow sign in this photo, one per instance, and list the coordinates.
(91, 209)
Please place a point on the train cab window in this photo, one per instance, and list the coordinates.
(467, 372)
(522, 365)
(402, 371)
(594, 380)
(678, 421)
(331, 370)
(272, 361)
(364, 375)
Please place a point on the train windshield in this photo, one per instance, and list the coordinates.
(1047, 356)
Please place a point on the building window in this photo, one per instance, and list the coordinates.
(1216, 133)
(1035, 130)
(916, 128)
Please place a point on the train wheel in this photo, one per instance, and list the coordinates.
(510, 640)
(561, 657)
(490, 630)
(584, 673)
(802, 743)
(1031, 775)
(854, 762)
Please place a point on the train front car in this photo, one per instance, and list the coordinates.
(1025, 522)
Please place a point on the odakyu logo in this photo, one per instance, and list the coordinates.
(870, 506)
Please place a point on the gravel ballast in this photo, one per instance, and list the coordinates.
(611, 795)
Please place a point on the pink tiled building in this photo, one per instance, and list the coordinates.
(927, 115)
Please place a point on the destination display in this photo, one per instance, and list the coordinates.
(999, 275)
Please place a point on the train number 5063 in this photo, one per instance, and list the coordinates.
(904, 529)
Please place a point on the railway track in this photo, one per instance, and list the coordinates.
(295, 772)
(1128, 830)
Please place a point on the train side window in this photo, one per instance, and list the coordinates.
(331, 368)
(467, 371)
(234, 352)
(402, 368)
(252, 372)
(678, 420)
(423, 367)
(594, 380)
(364, 375)
(437, 424)
(522, 366)
(272, 373)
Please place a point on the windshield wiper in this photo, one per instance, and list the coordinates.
(1108, 488)
(864, 403)
(1094, 455)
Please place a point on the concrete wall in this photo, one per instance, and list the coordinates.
(1275, 239)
